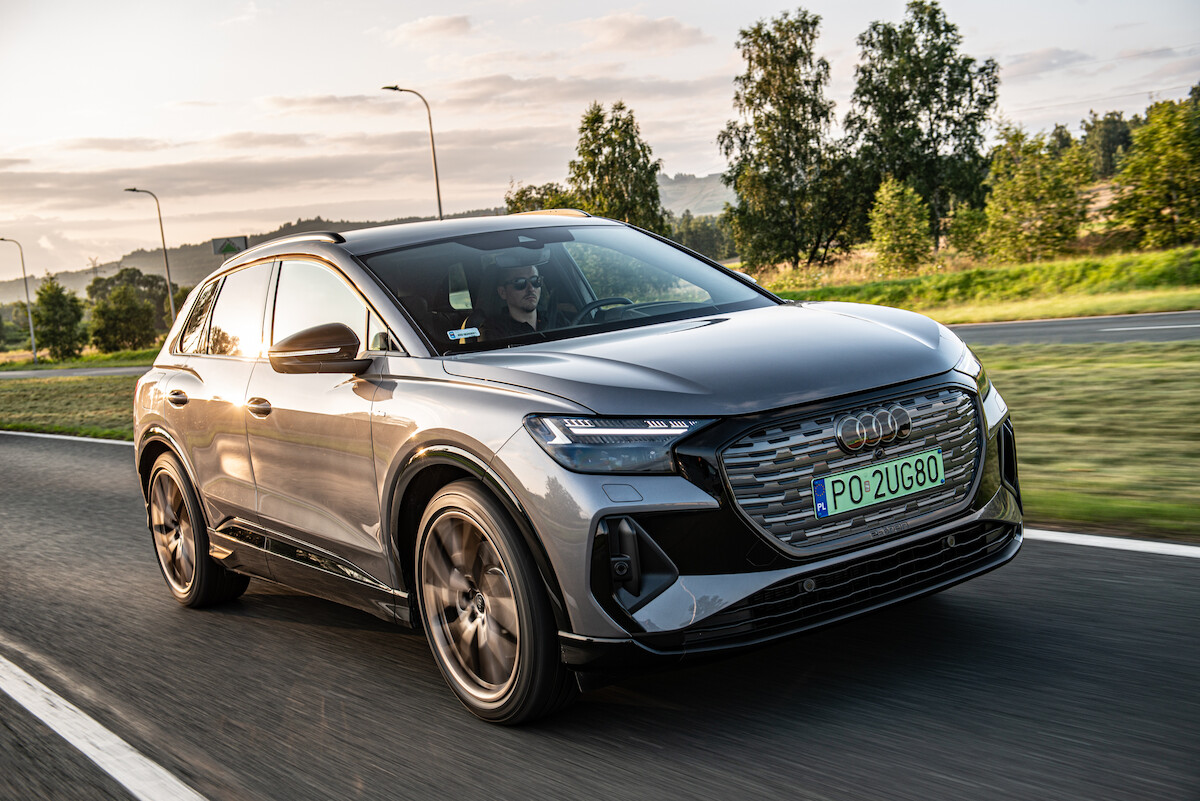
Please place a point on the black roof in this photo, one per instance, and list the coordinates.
(386, 237)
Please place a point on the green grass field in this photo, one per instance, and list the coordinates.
(92, 406)
(1106, 434)
(124, 358)
(1116, 284)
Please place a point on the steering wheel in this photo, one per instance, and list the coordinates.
(599, 304)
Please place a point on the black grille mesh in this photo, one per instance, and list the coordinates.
(770, 470)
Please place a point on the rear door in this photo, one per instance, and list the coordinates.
(208, 394)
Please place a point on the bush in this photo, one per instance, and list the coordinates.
(965, 230)
(900, 228)
(56, 320)
(122, 321)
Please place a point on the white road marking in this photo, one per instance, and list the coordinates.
(141, 777)
(67, 437)
(1115, 543)
(1148, 327)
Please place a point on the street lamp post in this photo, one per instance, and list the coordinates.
(166, 263)
(432, 150)
(28, 305)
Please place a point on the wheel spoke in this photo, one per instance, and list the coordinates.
(185, 558)
(497, 655)
(163, 503)
(502, 607)
(464, 631)
(440, 562)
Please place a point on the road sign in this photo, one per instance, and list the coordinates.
(230, 245)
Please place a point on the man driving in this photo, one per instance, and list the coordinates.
(521, 289)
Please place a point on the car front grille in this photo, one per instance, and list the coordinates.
(770, 470)
(857, 585)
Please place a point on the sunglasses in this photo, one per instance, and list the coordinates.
(519, 284)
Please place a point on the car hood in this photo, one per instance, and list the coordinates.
(739, 363)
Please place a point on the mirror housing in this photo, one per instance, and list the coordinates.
(328, 348)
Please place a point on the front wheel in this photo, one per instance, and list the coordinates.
(487, 617)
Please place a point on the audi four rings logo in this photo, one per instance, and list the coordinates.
(858, 431)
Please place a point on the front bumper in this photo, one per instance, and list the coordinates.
(830, 591)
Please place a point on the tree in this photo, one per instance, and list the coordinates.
(1106, 139)
(790, 178)
(534, 198)
(965, 230)
(1038, 201)
(709, 234)
(57, 315)
(152, 288)
(899, 227)
(920, 108)
(1158, 185)
(122, 321)
(615, 173)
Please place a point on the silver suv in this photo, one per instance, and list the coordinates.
(563, 447)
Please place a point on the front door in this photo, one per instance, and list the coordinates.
(310, 445)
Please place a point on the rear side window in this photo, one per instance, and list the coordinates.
(237, 318)
(191, 339)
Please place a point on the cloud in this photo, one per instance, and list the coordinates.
(1149, 53)
(506, 57)
(333, 104)
(628, 31)
(1184, 68)
(250, 140)
(249, 14)
(118, 145)
(1037, 62)
(501, 91)
(420, 30)
(9, 163)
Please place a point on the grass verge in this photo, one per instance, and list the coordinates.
(1169, 278)
(124, 358)
(1106, 434)
(92, 406)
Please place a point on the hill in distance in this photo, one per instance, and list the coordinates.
(191, 263)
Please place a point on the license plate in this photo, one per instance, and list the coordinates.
(877, 483)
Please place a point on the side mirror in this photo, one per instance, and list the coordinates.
(328, 348)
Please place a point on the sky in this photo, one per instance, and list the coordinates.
(242, 115)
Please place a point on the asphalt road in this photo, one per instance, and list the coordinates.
(1164, 327)
(1068, 674)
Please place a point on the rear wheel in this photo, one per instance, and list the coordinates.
(181, 540)
(485, 611)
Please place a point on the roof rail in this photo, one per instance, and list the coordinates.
(557, 212)
(317, 236)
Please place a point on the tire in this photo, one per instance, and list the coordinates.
(485, 611)
(180, 538)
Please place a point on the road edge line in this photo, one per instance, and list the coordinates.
(69, 437)
(1114, 543)
(145, 779)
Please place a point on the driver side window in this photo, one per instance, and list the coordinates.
(312, 294)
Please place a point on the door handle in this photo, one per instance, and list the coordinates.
(177, 397)
(259, 407)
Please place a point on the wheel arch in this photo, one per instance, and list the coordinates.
(424, 476)
(154, 443)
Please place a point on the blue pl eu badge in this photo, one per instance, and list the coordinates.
(819, 498)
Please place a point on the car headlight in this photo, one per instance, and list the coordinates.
(970, 365)
(611, 444)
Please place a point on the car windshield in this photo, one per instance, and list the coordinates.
(505, 288)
